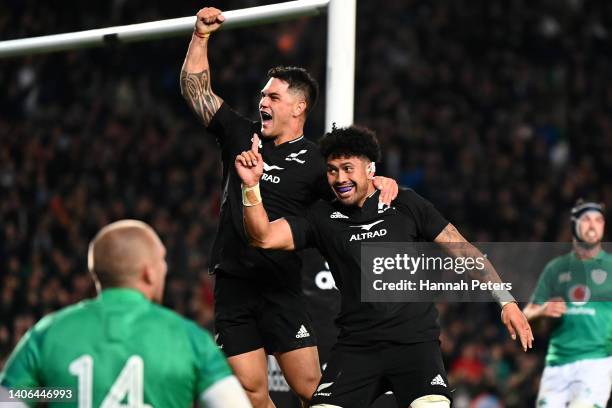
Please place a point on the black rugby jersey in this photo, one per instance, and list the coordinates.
(293, 179)
(338, 231)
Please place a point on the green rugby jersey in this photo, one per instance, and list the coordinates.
(585, 330)
(119, 349)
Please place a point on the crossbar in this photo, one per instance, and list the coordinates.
(341, 18)
(158, 29)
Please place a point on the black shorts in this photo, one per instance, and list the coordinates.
(254, 314)
(355, 377)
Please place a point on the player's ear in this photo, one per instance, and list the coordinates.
(371, 170)
(148, 275)
(300, 107)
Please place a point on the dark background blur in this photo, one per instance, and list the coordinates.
(497, 111)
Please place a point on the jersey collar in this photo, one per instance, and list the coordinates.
(288, 143)
(115, 294)
(600, 255)
(370, 204)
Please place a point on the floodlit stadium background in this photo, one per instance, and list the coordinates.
(496, 111)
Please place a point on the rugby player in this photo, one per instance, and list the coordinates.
(380, 345)
(575, 292)
(122, 349)
(259, 305)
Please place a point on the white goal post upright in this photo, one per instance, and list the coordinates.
(340, 72)
(340, 75)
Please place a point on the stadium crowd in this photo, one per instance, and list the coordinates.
(498, 112)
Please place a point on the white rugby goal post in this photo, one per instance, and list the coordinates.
(340, 71)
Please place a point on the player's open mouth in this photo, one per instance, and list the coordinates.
(266, 118)
(344, 189)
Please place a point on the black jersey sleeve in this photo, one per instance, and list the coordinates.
(229, 127)
(303, 230)
(428, 220)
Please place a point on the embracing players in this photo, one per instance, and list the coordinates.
(259, 305)
(380, 345)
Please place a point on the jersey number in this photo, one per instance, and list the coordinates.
(128, 386)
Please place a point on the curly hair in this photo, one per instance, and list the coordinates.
(299, 79)
(350, 141)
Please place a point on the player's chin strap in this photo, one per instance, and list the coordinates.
(578, 211)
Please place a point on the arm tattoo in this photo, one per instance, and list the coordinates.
(195, 88)
(451, 234)
(454, 243)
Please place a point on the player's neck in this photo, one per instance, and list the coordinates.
(369, 193)
(586, 252)
(291, 133)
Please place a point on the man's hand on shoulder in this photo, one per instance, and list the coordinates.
(388, 189)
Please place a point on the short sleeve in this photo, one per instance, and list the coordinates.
(229, 127)
(303, 231)
(543, 290)
(210, 362)
(22, 367)
(429, 221)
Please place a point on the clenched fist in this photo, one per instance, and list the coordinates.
(209, 19)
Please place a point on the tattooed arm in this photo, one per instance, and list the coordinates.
(455, 244)
(515, 321)
(195, 74)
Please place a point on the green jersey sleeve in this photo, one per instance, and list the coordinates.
(210, 363)
(22, 368)
(543, 291)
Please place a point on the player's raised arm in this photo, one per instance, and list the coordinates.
(512, 317)
(262, 233)
(195, 74)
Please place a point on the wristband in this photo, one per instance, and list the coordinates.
(201, 35)
(251, 195)
(503, 297)
(504, 304)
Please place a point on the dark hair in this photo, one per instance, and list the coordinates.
(350, 141)
(299, 79)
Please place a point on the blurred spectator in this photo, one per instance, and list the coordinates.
(496, 111)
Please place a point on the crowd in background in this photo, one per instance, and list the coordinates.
(498, 112)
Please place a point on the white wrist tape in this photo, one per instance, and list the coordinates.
(251, 195)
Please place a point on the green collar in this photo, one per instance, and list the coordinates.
(114, 294)
(600, 255)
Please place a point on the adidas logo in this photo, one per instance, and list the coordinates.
(302, 333)
(438, 381)
(337, 214)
